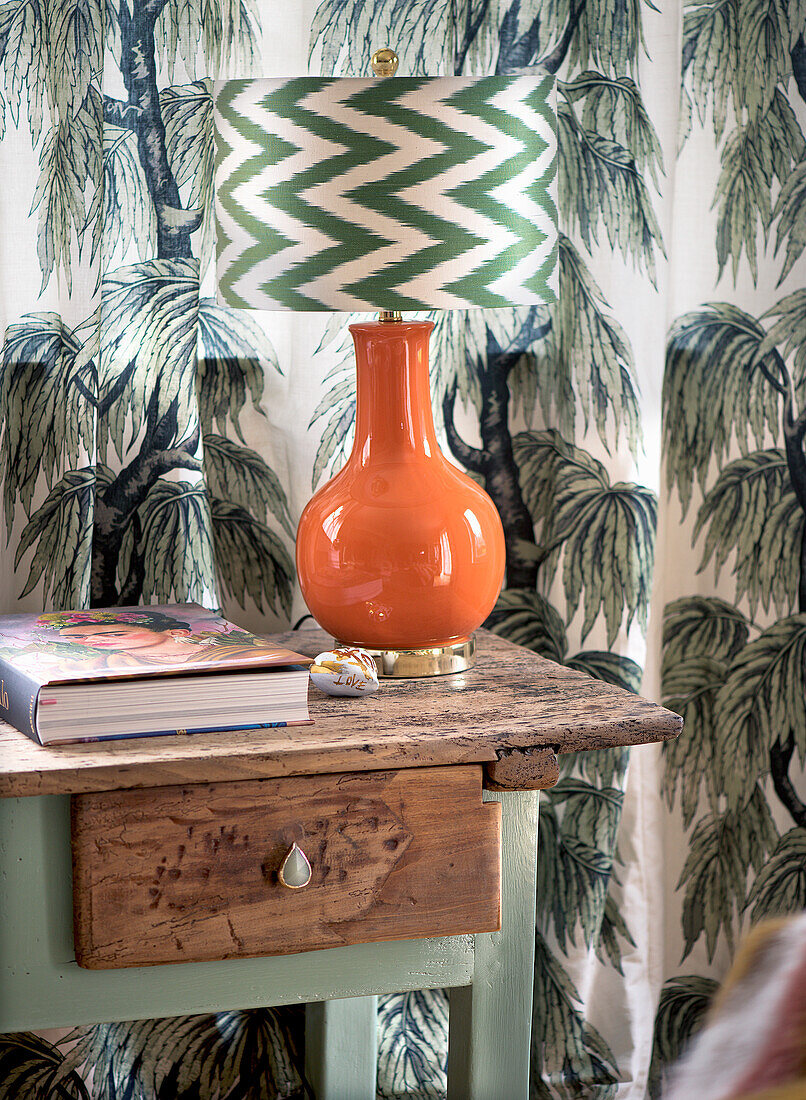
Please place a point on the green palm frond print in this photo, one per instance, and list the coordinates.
(124, 398)
(157, 445)
(31, 1066)
(735, 424)
(738, 62)
(248, 1054)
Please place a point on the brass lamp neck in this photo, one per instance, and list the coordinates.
(384, 63)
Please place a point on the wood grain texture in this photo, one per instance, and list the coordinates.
(185, 874)
(511, 699)
(522, 770)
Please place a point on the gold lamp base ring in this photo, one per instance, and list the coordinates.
(441, 660)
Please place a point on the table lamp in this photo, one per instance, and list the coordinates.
(407, 193)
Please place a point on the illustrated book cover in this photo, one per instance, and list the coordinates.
(136, 671)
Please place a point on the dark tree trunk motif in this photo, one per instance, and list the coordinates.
(780, 758)
(794, 432)
(495, 460)
(798, 56)
(116, 506)
(139, 68)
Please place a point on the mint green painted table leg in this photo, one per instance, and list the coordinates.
(491, 1020)
(341, 1048)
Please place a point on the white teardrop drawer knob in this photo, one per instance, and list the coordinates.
(295, 870)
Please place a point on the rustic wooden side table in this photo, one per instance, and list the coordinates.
(138, 855)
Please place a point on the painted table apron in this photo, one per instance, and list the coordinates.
(519, 703)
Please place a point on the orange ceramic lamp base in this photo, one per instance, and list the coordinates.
(400, 550)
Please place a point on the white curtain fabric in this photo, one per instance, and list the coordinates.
(666, 208)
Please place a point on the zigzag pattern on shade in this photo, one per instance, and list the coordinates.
(403, 193)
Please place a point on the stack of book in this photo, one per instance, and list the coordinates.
(139, 671)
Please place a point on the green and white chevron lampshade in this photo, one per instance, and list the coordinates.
(399, 194)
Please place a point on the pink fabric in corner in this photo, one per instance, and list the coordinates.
(755, 1037)
(783, 1058)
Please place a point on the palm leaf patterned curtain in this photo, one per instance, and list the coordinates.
(156, 447)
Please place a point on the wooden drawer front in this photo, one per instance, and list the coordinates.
(183, 874)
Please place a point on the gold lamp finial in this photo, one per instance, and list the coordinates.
(384, 62)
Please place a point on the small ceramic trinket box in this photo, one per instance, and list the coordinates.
(345, 671)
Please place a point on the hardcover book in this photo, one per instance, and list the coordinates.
(138, 671)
